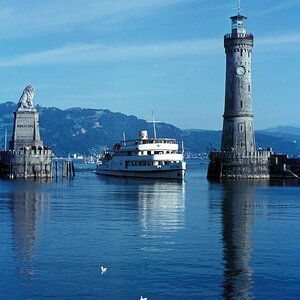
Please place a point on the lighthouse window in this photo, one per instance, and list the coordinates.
(249, 87)
(241, 144)
(241, 103)
(241, 128)
(241, 52)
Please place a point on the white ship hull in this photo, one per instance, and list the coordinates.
(162, 173)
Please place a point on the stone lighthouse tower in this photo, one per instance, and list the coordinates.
(238, 133)
(238, 157)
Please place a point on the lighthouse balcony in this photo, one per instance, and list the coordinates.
(239, 38)
(238, 35)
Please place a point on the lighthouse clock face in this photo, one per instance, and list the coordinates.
(240, 71)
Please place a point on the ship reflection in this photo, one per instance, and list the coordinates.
(162, 205)
(27, 206)
(237, 216)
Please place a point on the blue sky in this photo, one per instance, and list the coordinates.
(135, 56)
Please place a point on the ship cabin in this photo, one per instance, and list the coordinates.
(146, 147)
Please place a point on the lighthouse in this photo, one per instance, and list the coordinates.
(238, 133)
(238, 157)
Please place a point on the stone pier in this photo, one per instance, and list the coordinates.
(227, 165)
(27, 157)
(26, 163)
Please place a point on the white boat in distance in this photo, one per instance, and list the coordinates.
(143, 157)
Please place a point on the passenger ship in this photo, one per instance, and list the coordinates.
(144, 157)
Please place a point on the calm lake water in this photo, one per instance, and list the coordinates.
(158, 239)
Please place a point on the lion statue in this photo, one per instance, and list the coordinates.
(27, 97)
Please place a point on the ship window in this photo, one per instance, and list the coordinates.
(149, 152)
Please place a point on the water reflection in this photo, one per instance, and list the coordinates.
(27, 205)
(237, 216)
(160, 203)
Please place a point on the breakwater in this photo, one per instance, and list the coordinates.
(33, 163)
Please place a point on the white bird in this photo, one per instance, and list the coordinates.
(103, 270)
(142, 298)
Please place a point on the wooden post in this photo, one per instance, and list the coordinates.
(11, 170)
(69, 169)
(64, 169)
(56, 169)
(73, 169)
(25, 168)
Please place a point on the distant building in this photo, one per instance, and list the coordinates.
(26, 157)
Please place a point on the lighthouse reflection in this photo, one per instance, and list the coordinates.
(237, 216)
(237, 220)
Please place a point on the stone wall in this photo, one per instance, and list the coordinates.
(232, 165)
(284, 167)
(26, 163)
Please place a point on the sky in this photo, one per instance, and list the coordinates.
(139, 56)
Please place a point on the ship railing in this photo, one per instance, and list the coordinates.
(147, 141)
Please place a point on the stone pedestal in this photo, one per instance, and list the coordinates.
(231, 165)
(26, 132)
(26, 157)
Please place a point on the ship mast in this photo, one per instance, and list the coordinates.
(5, 140)
(154, 126)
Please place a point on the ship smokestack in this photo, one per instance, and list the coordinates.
(144, 135)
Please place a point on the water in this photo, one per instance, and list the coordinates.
(158, 239)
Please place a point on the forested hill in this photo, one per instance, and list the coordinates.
(86, 131)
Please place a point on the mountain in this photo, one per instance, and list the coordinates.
(283, 130)
(87, 131)
(283, 139)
